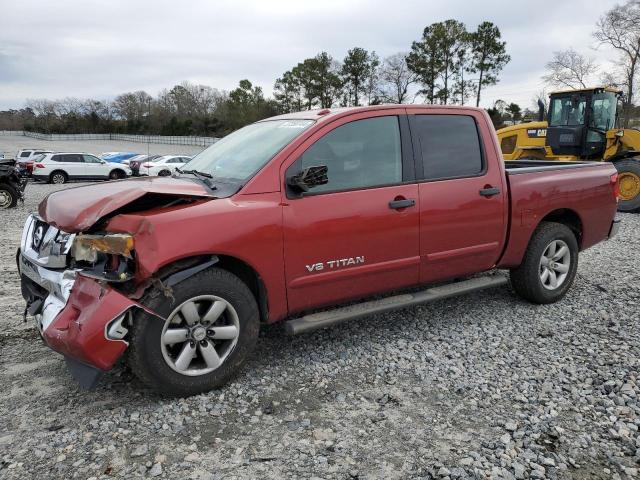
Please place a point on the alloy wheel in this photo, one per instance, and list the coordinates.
(555, 264)
(199, 335)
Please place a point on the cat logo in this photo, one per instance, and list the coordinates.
(536, 132)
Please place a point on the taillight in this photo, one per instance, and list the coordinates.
(39, 165)
(147, 165)
(613, 180)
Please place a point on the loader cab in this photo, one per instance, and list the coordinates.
(578, 121)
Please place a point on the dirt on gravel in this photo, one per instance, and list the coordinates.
(482, 386)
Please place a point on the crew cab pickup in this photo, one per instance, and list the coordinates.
(291, 218)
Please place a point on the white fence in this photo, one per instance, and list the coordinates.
(165, 139)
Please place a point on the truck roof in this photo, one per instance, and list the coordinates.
(587, 90)
(326, 113)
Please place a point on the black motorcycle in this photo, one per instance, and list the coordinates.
(12, 185)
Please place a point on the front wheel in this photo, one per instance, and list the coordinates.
(549, 265)
(8, 196)
(209, 330)
(116, 175)
(629, 182)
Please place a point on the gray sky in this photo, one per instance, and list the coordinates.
(98, 49)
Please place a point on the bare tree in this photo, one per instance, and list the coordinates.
(570, 69)
(395, 79)
(132, 106)
(613, 78)
(620, 29)
(45, 112)
(41, 106)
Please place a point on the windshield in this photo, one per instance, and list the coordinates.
(238, 156)
(566, 111)
(603, 113)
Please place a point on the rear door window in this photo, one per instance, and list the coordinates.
(25, 154)
(448, 145)
(91, 159)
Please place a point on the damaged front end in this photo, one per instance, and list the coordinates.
(68, 282)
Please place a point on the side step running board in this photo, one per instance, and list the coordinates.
(319, 320)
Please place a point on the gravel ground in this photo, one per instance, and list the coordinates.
(483, 386)
(10, 144)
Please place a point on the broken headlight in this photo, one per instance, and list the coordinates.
(110, 255)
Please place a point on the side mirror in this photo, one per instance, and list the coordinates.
(308, 178)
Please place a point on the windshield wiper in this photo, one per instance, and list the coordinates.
(204, 176)
(196, 173)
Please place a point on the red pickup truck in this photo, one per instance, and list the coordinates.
(291, 217)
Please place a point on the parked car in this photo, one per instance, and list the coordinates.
(61, 167)
(25, 159)
(135, 162)
(11, 184)
(117, 157)
(127, 161)
(163, 166)
(301, 213)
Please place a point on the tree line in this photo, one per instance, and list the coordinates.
(447, 65)
(185, 109)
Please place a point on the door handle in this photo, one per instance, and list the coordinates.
(489, 191)
(404, 203)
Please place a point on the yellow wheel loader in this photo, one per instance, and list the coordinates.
(581, 125)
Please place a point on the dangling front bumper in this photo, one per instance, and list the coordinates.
(82, 318)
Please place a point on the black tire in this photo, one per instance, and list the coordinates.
(164, 173)
(145, 352)
(58, 177)
(116, 174)
(526, 279)
(630, 167)
(8, 196)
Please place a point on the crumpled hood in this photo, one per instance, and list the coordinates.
(76, 209)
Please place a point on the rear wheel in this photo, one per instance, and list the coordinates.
(8, 196)
(209, 330)
(58, 177)
(116, 174)
(549, 265)
(164, 173)
(629, 181)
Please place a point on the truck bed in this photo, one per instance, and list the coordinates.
(541, 188)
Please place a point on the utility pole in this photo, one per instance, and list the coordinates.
(149, 129)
